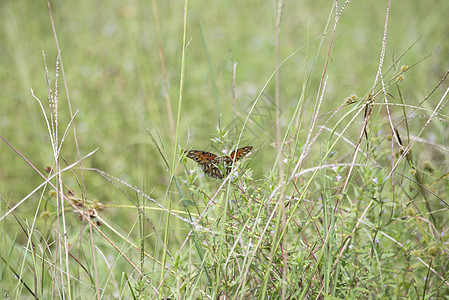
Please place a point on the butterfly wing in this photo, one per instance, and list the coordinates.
(209, 161)
(212, 170)
(239, 153)
(201, 157)
(235, 156)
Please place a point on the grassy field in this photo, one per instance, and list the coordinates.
(344, 194)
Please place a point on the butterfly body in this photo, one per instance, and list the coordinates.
(209, 162)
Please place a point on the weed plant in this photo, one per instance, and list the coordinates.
(345, 194)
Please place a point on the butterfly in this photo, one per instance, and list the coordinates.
(209, 161)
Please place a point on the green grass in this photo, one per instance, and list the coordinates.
(344, 195)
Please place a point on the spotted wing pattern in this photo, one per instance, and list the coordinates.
(201, 157)
(209, 161)
(239, 153)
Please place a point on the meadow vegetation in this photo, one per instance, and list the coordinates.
(344, 195)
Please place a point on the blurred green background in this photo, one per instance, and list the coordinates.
(115, 80)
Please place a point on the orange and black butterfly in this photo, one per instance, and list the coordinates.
(209, 161)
